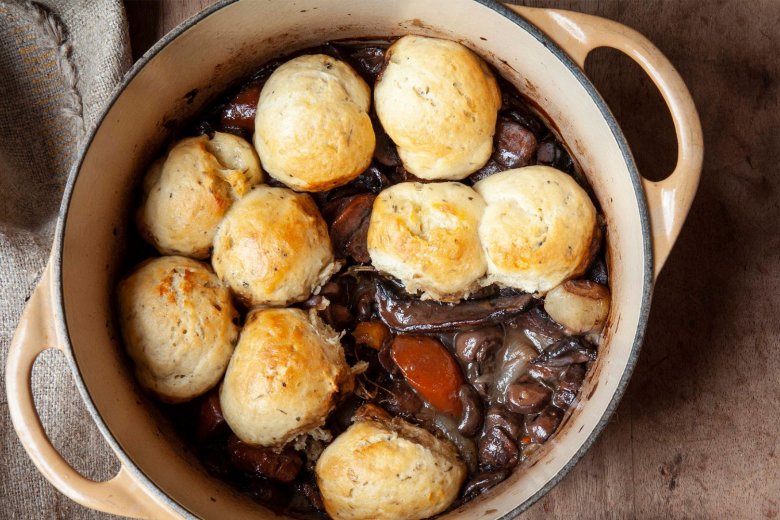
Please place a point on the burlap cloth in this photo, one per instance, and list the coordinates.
(59, 61)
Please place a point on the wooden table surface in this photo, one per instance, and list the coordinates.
(696, 435)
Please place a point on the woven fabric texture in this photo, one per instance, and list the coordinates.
(59, 61)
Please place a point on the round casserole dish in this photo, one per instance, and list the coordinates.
(541, 51)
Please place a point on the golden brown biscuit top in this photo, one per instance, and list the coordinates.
(438, 101)
(426, 236)
(538, 227)
(283, 377)
(312, 129)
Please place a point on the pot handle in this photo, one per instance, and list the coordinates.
(36, 332)
(670, 199)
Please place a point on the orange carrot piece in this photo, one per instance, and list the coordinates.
(372, 333)
(430, 369)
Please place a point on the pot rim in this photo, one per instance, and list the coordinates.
(522, 23)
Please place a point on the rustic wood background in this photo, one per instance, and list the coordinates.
(696, 435)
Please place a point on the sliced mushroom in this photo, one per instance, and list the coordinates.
(266, 462)
(539, 328)
(581, 306)
(497, 450)
(335, 206)
(546, 374)
(401, 400)
(349, 230)
(210, 419)
(567, 351)
(544, 424)
(477, 344)
(405, 314)
(471, 416)
(527, 398)
(385, 152)
(498, 416)
(569, 385)
(486, 171)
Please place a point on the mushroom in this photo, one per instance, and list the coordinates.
(567, 351)
(486, 171)
(405, 314)
(497, 450)
(369, 61)
(545, 424)
(515, 145)
(210, 419)
(350, 228)
(569, 385)
(477, 344)
(581, 306)
(283, 466)
(471, 417)
(527, 398)
(498, 416)
(539, 328)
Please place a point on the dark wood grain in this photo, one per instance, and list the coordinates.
(696, 435)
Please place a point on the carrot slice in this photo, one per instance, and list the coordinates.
(430, 369)
(372, 333)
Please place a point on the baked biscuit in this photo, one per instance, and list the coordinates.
(388, 469)
(273, 248)
(426, 235)
(187, 192)
(177, 322)
(538, 228)
(438, 102)
(312, 129)
(283, 378)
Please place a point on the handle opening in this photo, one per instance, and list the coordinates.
(640, 109)
(57, 403)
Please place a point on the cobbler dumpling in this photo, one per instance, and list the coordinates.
(538, 228)
(284, 376)
(426, 235)
(187, 192)
(388, 469)
(312, 129)
(273, 248)
(438, 101)
(177, 322)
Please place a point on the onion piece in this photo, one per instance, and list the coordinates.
(467, 448)
(581, 306)
(512, 361)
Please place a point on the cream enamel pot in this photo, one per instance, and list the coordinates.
(541, 51)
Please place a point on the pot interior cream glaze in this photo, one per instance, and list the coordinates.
(222, 44)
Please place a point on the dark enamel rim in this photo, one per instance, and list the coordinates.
(524, 25)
